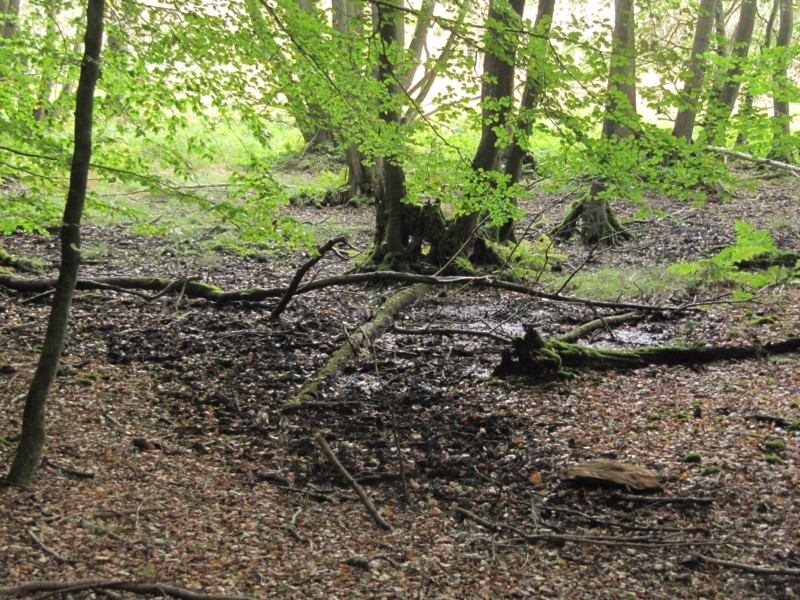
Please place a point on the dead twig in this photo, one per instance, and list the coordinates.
(300, 273)
(47, 550)
(560, 538)
(450, 331)
(662, 499)
(755, 569)
(142, 589)
(326, 449)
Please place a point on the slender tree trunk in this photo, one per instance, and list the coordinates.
(420, 90)
(689, 97)
(12, 19)
(531, 94)
(29, 452)
(780, 99)
(418, 40)
(721, 107)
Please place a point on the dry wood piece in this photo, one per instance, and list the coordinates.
(142, 589)
(663, 499)
(326, 449)
(755, 569)
(613, 472)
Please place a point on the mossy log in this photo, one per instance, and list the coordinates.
(532, 356)
(356, 341)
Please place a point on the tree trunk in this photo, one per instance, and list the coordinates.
(12, 19)
(497, 92)
(598, 224)
(29, 452)
(721, 107)
(781, 93)
(424, 84)
(689, 96)
(389, 194)
(531, 94)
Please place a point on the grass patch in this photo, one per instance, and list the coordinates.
(612, 283)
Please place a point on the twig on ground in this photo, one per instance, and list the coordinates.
(326, 449)
(633, 542)
(755, 569)
(450, 331)
(47, 550)
(142, 589)
(662, 499)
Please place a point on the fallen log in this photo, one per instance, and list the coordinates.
(367, 332)
(533, 356)
(190, 287)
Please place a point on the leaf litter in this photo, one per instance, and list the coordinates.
(157, 468)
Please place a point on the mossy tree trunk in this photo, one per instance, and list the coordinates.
(29, 452)
(781, 113)
(593, 214)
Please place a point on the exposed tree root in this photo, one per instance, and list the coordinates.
(356, 341)
(532, 356)
(141, 589)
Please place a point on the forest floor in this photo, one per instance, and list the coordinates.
(157, 468)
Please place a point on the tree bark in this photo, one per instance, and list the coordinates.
(689, 97)
(497, 92)
(780, 100)
(389, 246)
(11, 20)
(531, 94)
(593, 213)
(32, 440)
(721, 107)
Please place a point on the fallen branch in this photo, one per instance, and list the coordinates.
(326, 449)
(600, 323)
(662, 499)
(212, 293)
(366, 333)
(533, 356)
(142, 589)
(46, 549)
(761, 161)
(755, 569)
(298, 276)
(503, 339)
(559, 538)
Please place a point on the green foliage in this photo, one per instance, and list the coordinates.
(724, 266)
(529, 259)
(775, 445)
(692, 457)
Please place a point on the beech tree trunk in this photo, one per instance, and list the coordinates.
(721, 107)
(12, 18)
(390, 191)
(689, 97)
(497, 92)
(29, 452)
(780, 99)
(593, 214)
(531, 94)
